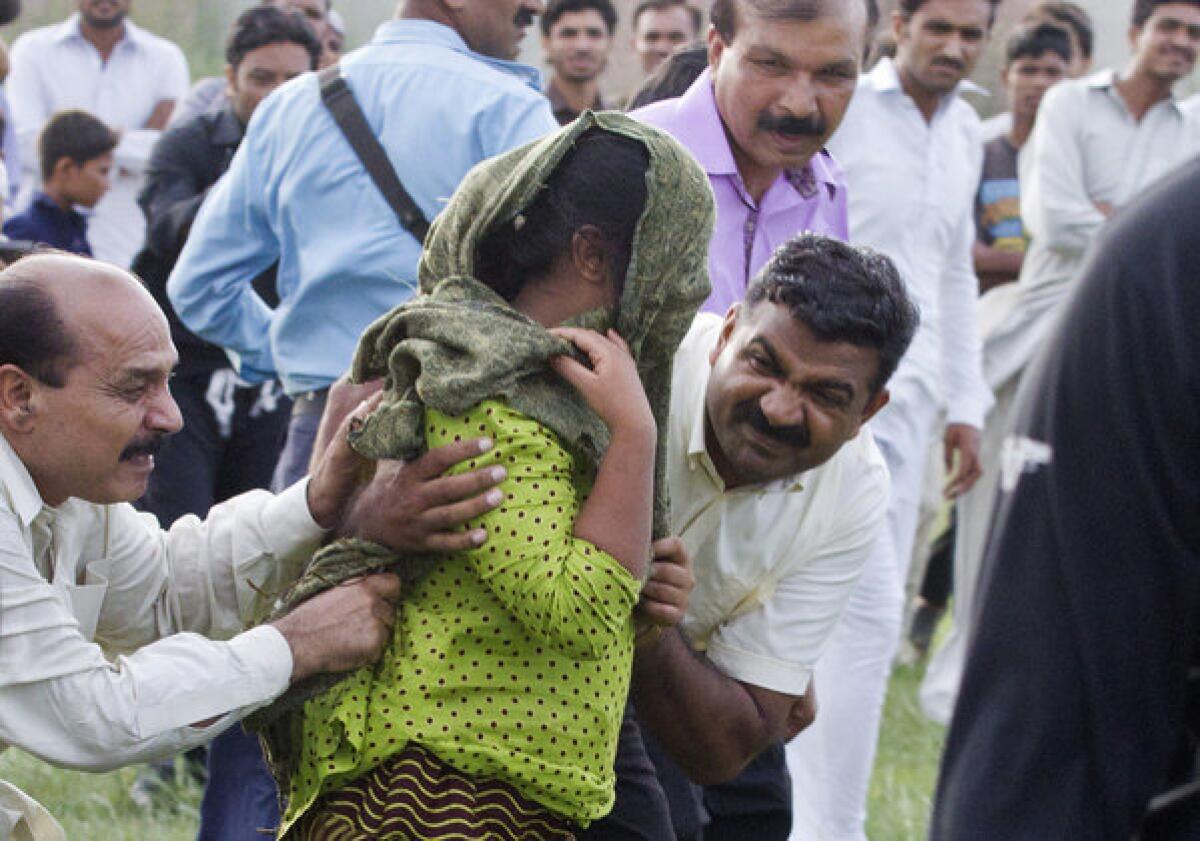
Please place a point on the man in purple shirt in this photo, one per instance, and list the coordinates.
(780, 77)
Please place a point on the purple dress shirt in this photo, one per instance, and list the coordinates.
(811, 199)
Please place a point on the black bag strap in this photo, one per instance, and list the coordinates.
(346, 112)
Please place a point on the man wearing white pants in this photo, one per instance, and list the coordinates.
(912, 153)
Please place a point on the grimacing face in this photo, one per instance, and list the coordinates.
(578, 45)
(261, 71)
(496, 28)
(104, 14)
(941, 43)
(779, 401)
(659, 32)
(97, 434)
(783, 85)
(1165, 46)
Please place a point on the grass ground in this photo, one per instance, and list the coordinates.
(98, 807)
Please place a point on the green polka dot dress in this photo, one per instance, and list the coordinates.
(510, 661)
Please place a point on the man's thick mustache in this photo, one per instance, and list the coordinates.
(796, 126)
(796, 437)
(143, 448)
(952, 63)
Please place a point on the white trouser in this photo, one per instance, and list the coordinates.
(831, 762)
(939, 689)
(24, 819)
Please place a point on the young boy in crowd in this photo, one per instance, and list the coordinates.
(76, 151)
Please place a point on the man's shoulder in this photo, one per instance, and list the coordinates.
(37, 38)
(156, 45)
(860, 474)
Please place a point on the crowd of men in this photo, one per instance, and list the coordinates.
(271, 214)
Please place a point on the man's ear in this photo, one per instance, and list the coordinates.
(727, 328)
(16, 399)
(1135, 32)
(899, 27)
(230, 80)
(63, 168)
(874, 405)
(716, 47)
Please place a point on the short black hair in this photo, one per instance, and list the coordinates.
(33, 335)
(908, 8)
(76, 135)
(724, 13)
(555, 9)
(10, 10)
(658, 5)
(261, 26)
(1036, 41)
(600, 182)
(1070, 15)
(671, 78)
(841, 293)
(1143, 9)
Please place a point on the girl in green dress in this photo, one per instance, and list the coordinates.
(494, 712)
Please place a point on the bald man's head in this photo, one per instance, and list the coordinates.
(51, 303)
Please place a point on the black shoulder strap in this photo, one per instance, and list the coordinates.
(347, 113)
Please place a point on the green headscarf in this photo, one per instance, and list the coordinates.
(460, 343)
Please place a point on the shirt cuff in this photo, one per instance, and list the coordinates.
(760, 670)
(970, 410)
(290, 522)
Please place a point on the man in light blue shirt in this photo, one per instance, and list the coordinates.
(440, 90)
(441, 95)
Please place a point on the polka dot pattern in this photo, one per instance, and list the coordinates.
(510, 661)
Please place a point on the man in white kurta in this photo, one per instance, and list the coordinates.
(912, 153)
(100, 62)
(1098, 144)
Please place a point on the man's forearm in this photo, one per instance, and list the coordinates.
(710, 724)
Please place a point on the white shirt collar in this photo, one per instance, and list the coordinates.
(16, 482)
(70, 29)
(1106, 80)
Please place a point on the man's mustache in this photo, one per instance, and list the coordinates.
(952, 63)
(148, 447)
(795, 437)
(795, 126)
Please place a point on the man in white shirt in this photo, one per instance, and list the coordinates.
(120, 642)
(911, 151)
(1098, 144)
(99, 61)
(778, 494)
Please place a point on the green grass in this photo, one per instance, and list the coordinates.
(99, 807)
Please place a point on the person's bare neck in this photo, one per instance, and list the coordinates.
(1141, 92)
(103, 38)
(57, 196)
(927, 101)
(423, 10)
(579, 95)
(1022, 127)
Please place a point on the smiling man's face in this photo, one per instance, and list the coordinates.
(779, 401)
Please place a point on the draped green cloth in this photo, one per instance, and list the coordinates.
(459, 343)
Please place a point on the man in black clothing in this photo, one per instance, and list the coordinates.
(233, 432)
(1079, 705)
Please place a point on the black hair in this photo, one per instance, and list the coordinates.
(10, 10)
(658, 5)
(908, 8)
(555, 9)
(1036, 41)
(1070, 15)
(76, 135)
(261, 26)
(33, 335)
(841, 293)
(1143, 9)
(600, 182)
(671, 78)
(724, 13)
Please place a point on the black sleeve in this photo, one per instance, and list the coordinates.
(177, 180)
(1072, 708)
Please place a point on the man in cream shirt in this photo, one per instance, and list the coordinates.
(120, 642)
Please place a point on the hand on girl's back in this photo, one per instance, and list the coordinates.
(611, 386)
